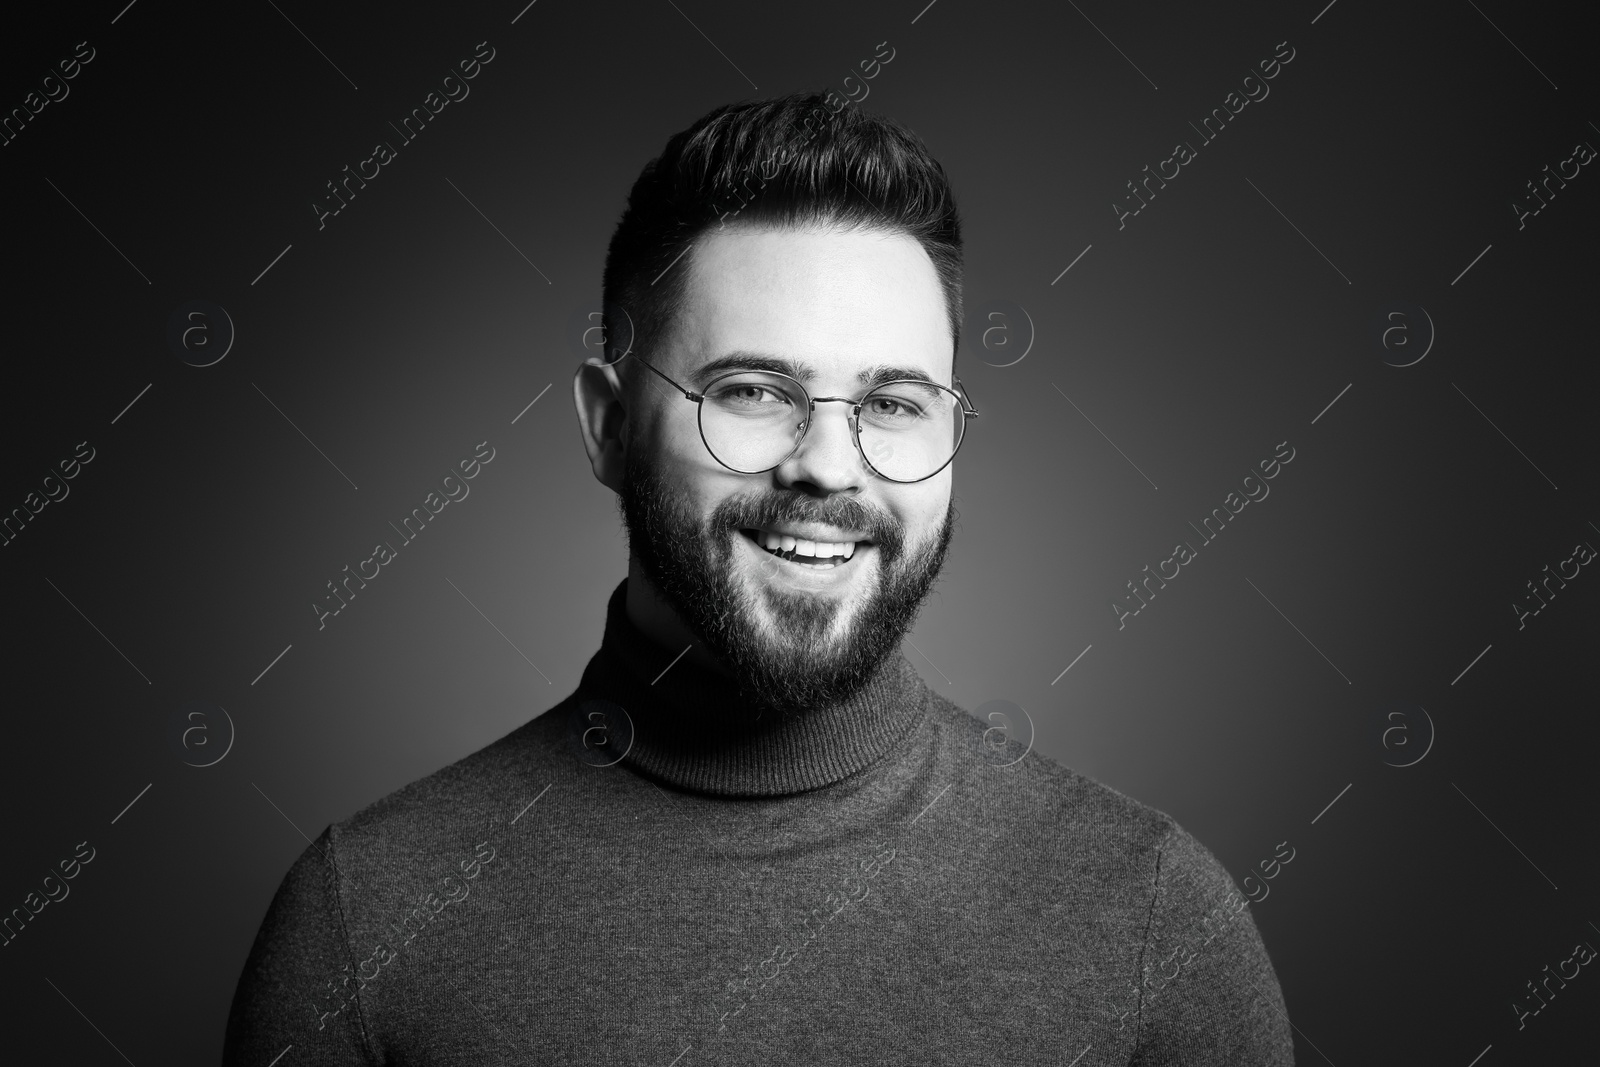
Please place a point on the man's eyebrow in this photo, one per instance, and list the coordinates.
(879, 373)
(875, 374)
(752, 361)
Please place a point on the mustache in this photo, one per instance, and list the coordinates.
(740, 513)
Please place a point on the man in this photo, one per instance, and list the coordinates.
(753, 834)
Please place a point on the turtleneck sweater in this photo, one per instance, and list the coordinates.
(652, 873)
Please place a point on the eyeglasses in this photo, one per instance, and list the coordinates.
(906, 430)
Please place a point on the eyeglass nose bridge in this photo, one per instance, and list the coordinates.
(853, 419)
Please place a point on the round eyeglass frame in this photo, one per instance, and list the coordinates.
(963, 400)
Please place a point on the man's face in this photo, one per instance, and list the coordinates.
(834, 304)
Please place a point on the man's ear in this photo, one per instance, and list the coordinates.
(597, 391)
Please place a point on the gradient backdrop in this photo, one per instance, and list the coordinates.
(1360, 618)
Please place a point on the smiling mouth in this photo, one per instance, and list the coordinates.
(816, 555)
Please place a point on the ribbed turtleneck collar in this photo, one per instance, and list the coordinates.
(692, 731)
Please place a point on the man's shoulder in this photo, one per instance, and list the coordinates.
(1026, 787)
(471, 798)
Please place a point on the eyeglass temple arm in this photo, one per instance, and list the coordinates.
(687, 394)
(966, 396)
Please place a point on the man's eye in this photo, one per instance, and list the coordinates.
(750, 394)
(892, 408)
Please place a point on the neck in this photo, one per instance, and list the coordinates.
(688, 727)
(650, 612)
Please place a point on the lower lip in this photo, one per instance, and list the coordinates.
(822, 576)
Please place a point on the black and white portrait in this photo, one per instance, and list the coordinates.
(673, 534)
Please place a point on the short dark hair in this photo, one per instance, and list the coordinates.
(791, 161)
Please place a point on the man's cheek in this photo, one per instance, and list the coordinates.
(882, 452)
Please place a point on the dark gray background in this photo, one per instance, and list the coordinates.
(1197, 338)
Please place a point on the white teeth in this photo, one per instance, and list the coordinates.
(799, 546)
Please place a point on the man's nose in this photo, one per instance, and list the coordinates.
(827, 457)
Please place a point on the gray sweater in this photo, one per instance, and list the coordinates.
(646, 875)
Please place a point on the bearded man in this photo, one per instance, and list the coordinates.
(753, 833)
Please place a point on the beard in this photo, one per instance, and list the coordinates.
(800, 662)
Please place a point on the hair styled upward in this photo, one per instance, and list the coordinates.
(789, 162)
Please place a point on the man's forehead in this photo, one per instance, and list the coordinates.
(866, 304)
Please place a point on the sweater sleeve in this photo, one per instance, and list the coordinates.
(297, 996)
(1207, 990)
